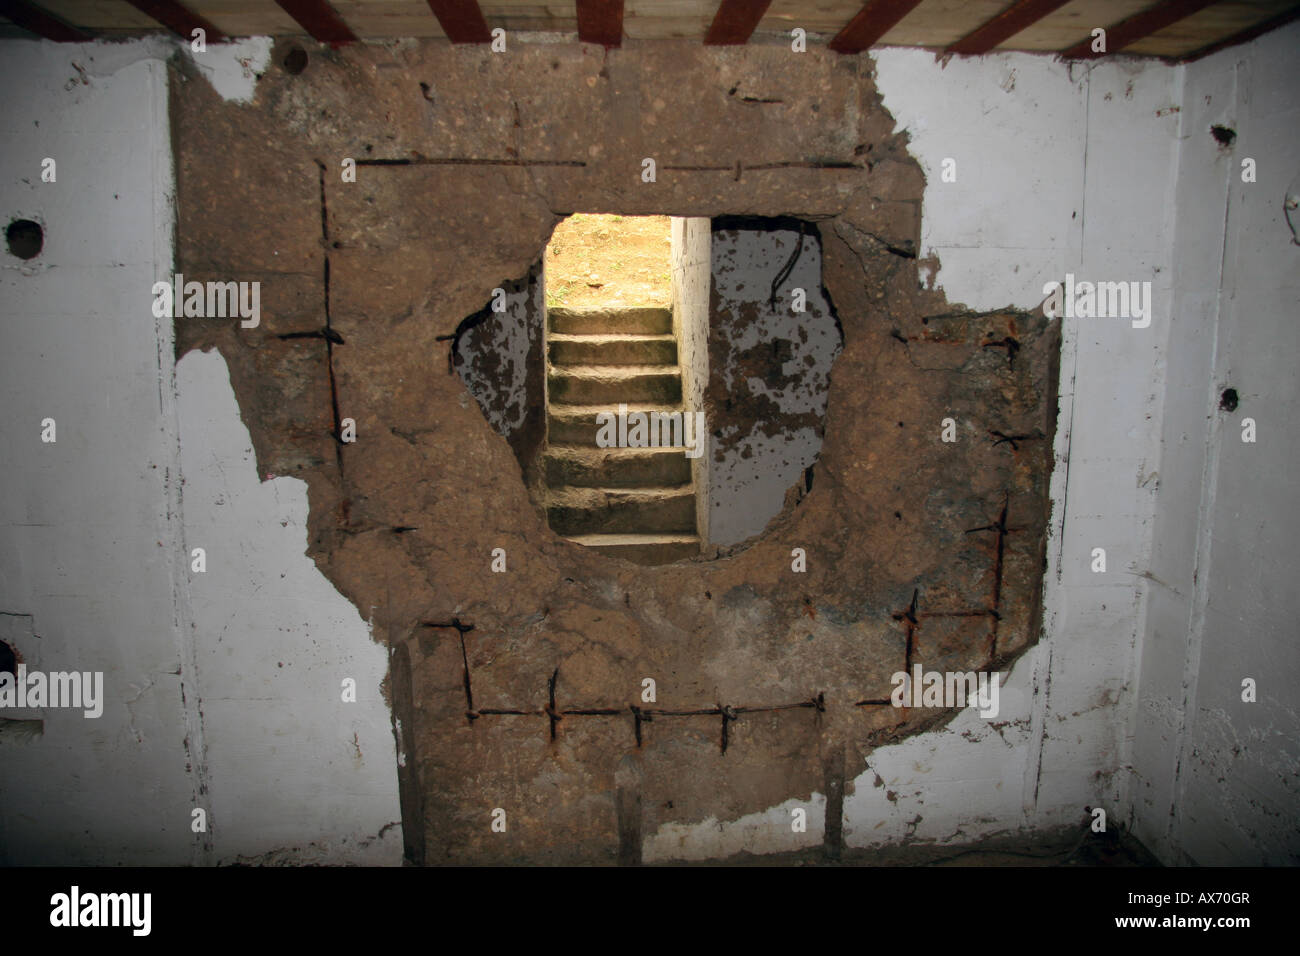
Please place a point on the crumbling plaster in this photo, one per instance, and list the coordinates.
(404, 520)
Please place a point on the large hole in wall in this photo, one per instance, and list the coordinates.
(519, 685)
(661, 380)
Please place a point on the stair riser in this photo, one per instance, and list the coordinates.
(572, 431)
(665, 388)
(620, 471)
(651, 553)
(624, 352)
(567, 429)
(636, 321)
(674, 515)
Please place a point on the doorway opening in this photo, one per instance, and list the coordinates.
(622, 428)
(662, 379)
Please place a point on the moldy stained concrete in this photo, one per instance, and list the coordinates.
(916, 549)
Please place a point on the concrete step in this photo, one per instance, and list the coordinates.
(576, 424)
(617, 467)
(612, 349)
(643, 548)
(640, 321)
(611, 384)
(575, 511)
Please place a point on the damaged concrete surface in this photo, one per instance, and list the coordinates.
(520, 690)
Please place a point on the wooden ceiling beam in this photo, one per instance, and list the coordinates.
(461, 20)
(601, 21)
(320, 20)
(735, 21)
(35, 20)
(873, 21)
(177, 19)
(1138, 27)
(1246, 35)
(1004, 26)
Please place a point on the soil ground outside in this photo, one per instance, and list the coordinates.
(595, 261)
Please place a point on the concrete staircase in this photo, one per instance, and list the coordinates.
(633, 503)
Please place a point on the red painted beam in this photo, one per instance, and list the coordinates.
(1005, 25)
(1138, 27)
(601, 21)
(735, 21)
(177, 19)
(1246, 35)
(35, 20)
(320, 20)
(873, 21)
(461, 20)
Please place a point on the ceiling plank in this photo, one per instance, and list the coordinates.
(735, 21)
(1137, 27)
(35, 20)
(320, 20)
(461, 20)
(1246, 35)
(177, 19)
(1005, 25)
(873, 21)
(600, 21)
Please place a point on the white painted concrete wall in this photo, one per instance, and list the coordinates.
(1216, 780)
(1132, 701)
(97, 527)
(89, 549)
(295, 773)
(1059, 170)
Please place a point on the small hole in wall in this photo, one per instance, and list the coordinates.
(8, 659)
(1224, 135)
(662, 380)
(295, 60)
(25, 238)
(1228, 400)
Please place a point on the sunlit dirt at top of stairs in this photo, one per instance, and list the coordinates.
(598, 261)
